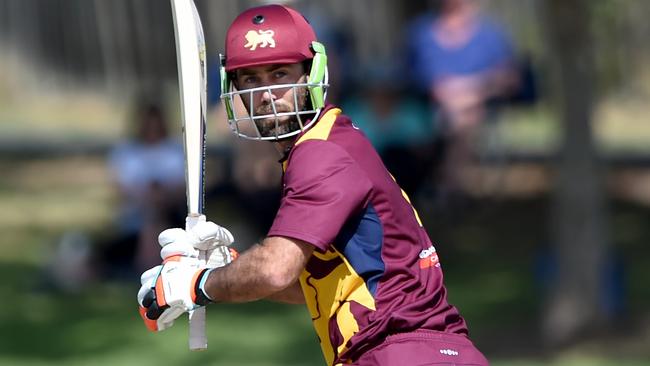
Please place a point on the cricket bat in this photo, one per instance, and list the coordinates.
(190, 57)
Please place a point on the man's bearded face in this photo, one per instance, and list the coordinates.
(274, 93)
(285, 124)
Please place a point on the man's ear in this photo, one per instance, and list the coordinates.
(306, 66)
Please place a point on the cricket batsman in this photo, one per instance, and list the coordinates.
(345, 241)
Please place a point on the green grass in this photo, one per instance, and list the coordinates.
(101, 326)
(487, 255)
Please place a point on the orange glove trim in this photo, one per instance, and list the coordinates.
(160, 293)
(152, 325)
(195, 279)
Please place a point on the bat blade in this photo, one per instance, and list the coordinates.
(190, 57)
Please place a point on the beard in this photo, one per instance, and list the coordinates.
(277, 126)
(285, 124)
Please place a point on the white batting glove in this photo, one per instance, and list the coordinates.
(176, 286)
(205, 235)
(169, 290)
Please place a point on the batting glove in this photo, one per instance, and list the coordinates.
(206, 236)
(169, 290)
(176, 287)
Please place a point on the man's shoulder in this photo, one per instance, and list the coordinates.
(321, 129)
(316, 149)
(318, 157)
(331, 129)
(332, 134)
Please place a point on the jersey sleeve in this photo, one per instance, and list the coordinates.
(323, 187)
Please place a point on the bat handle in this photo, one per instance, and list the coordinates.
(198, 339)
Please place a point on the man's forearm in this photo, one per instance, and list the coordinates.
(260, 272)
(290, 295)
(241, 280)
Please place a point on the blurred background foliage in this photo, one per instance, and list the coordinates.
(72, 70)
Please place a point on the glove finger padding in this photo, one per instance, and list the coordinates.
(178, 251)
(208, 235)
(173, 235)
(158, 318)
(149, 309)
(168, 316)
(148, 281)
(220, 256)
(170, 290)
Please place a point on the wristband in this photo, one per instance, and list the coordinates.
(201, 296)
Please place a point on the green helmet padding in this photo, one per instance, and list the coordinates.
(225, 86)
(317, 75)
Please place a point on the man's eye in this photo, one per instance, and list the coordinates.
(279, 74)
(250, 80)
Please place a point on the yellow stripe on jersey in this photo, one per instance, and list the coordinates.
(330, 297)
(320, 131)
(406, 197)
(415, 212)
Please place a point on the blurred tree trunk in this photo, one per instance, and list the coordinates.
(579, 218)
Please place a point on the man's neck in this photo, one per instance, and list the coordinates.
(284, 147)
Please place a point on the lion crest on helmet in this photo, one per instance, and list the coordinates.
(261, 38)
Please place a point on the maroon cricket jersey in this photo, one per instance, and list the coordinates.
(374, 271)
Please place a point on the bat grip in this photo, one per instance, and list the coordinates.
(197, 339)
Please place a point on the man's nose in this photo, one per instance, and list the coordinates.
(268, 96)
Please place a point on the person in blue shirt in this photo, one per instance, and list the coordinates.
(462, 61)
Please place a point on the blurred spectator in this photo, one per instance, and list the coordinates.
(149, 175)
(148, 172)
(463, 62)
(398, 125)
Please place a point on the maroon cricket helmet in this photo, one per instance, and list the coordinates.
(271, 34)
